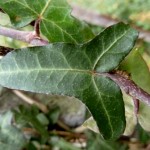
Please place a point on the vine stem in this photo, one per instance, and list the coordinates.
(129, 87)
(30, 37)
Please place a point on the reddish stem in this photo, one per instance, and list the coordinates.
(25, 36)
(129, 87)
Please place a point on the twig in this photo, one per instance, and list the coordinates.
(70, 134)
(63, 125)
(95, 18)
(30, 101)
(129, 87)
(25, 36)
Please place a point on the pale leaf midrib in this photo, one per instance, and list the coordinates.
(64, 31)
(26, 7)
(45, 7)
(101, 55)
(44, 70)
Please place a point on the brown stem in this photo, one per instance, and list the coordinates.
(25, 36)
(129, 87)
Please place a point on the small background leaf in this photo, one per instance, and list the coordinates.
(10, 136)
(136, 66)
(4, 19)
(142, 135)
(91, 124)
(131, 120)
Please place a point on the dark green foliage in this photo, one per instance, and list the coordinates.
(69, 69)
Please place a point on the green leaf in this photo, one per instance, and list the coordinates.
(5, 119)
(91, 124)
(57, 25)
(53, 115)
(10, 136)
(70, 70)
(136, 66)
(144, 116)
(42, 119)
(131, 120)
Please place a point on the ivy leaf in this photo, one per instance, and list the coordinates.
(131, 120)
(70, 70)
(57, 25)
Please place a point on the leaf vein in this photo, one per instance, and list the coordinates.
(54, 23)
(101, 55)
